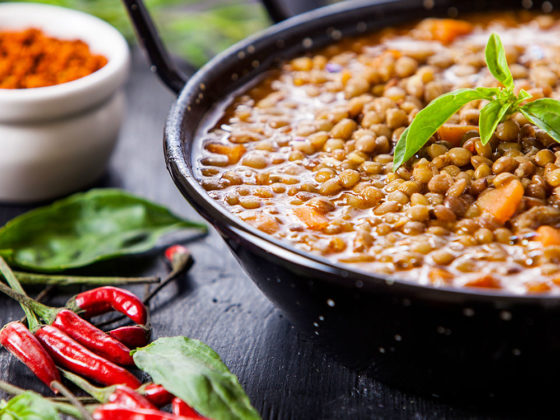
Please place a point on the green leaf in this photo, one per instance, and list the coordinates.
(523, 95)
(433, 116)
(490, 117)
(29, 406)
(497, 62)
(399, 153)
(545, 114)
(85, 228)
(192, 371)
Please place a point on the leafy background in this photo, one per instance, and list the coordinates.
(195, 30)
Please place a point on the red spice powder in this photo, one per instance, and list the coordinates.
(30, 59)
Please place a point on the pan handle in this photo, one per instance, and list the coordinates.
(162, 64)
(280, 10)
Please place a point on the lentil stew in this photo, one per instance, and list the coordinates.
(305, 155)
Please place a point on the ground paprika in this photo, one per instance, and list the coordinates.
(30, 58)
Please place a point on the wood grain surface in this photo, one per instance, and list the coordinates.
(286, 375)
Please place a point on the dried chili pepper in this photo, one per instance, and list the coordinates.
(77, 328)
(181, 261)
(22, 343)
(92, 337)
(181, 408)
(72, 355)
(103, 299)
(176, 251)
(132, 336)
(118, 412)
(157, 395)
(127, 397)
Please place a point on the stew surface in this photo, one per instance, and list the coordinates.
(305, 155)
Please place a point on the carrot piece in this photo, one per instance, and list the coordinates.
(453, 133)
(535, 286)
(446, 30)
(486, 281)
(547, 235)
(311, 217)
(393, 52)
(503, 201)
(233, 152)
(556, 280)
(440, 276)
(263, 222)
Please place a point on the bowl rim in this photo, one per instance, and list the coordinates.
(180, 165)
(114, 65)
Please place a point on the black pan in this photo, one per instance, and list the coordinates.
(436, 340)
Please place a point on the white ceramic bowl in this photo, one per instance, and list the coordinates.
(56, 139)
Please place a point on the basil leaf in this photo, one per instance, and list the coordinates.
(29, 406)
(433, 116)
(545, 114)
(86, 228)
(497, 62)
(400, 149)
(192, 371)
(523, 94)
(490, 117)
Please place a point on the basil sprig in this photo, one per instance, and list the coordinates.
(544, 113)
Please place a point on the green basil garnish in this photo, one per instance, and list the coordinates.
(496, 61)
(85, 228)
(28, 406)
(433, 116)
(192, 371)
(544, 113)
(490, 117)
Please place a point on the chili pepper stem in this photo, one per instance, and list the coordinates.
(11, 389)
(83, 400)
(72, 398)
(42, 295)
(59, 280)
(99, 394)
(60, 406)
(6, 271)
(182, 265)
(32, 306)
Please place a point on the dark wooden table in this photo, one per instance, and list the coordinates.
(286, 375)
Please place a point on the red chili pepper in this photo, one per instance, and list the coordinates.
(77, 328)
(157, 395)
(92, 337)
(176, 251)
(127, 397)
(22, 343)
(181, 408)
(73, 356)
(103, 299)
(118, 412)
(132, 336)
